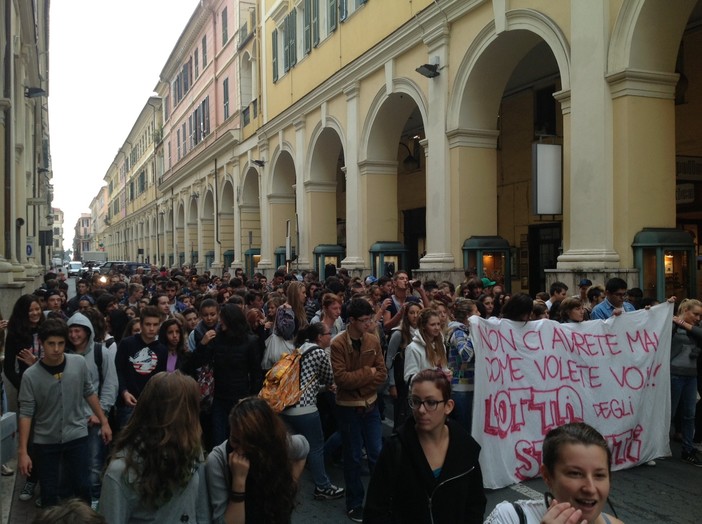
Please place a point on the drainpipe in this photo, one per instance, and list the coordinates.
(7, 94)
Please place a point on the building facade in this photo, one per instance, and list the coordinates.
(57, 225)
(26, 190)
(526, 140)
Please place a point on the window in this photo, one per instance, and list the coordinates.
(197, 69)
(110, 188)
(131, 190)
(346, 7)
(165, 108)
(170, 156)
(204, 51)
(184, 137)
(225, 97)
(224, 26)
(315, 22)
(141, 187)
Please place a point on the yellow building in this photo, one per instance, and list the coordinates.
(528, 140)
(26, 189)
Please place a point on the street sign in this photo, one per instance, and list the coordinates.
(30, 246)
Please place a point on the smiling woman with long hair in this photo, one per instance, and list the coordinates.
(251, 477)
(154, 474)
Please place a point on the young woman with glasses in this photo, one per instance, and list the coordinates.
(428, 471)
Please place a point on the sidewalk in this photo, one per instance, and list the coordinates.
(15, 511)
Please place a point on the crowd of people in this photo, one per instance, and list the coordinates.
(171, 362)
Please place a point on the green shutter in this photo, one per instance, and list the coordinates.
(332, 15)
(274, 44)
(308, 26)
(315, 22)
(292, 31)
(286, 44)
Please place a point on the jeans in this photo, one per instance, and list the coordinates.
(122, 415)
(220, 419)
(71, 462)
(97, 452)
(309, 425)
(358, 426)
(683, 391)
(463, 408)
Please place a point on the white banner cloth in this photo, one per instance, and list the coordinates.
(531, 377)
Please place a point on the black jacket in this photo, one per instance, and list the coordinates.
(235, 364)
(403, 488)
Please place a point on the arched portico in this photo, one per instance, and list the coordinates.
(393, 119)
(324, 190)
(249, 216)
(281, 202)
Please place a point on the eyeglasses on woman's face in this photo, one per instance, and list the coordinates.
(429, 404)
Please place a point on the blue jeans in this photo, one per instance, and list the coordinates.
(358, 426)
(122, 415)
(683, 391)
(97, 451)
(71, 462)
(463, 408)
(310, 426)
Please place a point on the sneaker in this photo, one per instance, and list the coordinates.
(691, 458)
(6, 471)
(37, 502)
(355, 514)
(27, 491)
(651, 463)
(328, 493)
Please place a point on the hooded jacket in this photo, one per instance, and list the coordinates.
(108, 393)
(416, 357)
(403, 487)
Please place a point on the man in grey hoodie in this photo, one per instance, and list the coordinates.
(103, 375)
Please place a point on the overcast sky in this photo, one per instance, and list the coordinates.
(105, 60)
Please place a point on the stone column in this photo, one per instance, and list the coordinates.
(356, 245)
(438, 182)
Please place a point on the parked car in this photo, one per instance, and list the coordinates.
(128, 268)
(74, 269)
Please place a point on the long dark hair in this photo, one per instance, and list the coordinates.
(260, 435)
(163, 330)
(234, 324)
(161, 441)
(18, 325)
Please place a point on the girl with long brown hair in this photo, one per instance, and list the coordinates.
(426, 351)
(154, 474)
(401, 337)
(252, 476)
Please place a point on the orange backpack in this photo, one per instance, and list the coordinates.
(281, 387)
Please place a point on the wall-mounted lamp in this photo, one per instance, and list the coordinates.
(428, 70)
(259, 163)
(34, 92)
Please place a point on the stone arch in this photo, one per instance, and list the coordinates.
(325, 187)
(386, 117)
(282, 171)
(479, 87)
(646, 35)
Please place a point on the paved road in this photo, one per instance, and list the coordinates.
(669, 492)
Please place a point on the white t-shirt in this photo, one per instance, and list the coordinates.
(504, 512)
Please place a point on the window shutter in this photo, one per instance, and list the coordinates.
(286, 45)
(315, 22)
(274, 45)
(292, 31)
(332, 15)
(343, 9)
(308, 26)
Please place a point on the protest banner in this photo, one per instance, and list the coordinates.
(531, 377)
